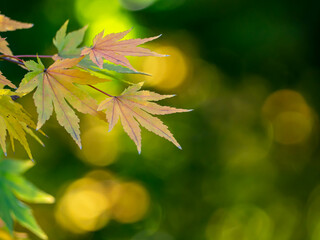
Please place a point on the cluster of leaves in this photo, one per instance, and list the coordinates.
(13, 118)
(58, 88)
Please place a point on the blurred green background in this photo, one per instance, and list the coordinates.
(250, 164)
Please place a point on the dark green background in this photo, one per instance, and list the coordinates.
(241, 52)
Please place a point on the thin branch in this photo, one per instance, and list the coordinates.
(11, 60)
(100, 91)
(34, 56)
(9, 56)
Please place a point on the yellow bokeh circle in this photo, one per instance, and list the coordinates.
(292, 127)
(167, 72)
(290, 116)
(84, 207)
(89, 203)
(131, 202)
(100, 148)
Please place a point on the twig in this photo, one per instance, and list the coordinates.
(100, 90)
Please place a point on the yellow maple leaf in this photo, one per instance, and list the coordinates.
(15, 121)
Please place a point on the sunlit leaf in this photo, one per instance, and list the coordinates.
(14, 121)
(68, 47)
(55, 87)
(110, 48)
(132, 107)
(67, 44)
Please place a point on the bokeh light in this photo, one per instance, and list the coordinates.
(131, 202)
(109, 24)
(292, 127)
(102, 16)
(286, 217)
(100, 148)
(240, 222)
(4, 235)
(91, 9)
(84, 207)
(290, 115)
(168, 72)
(88, 204)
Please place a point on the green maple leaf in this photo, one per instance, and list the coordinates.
(107, 67)
(67, 44)
(13, 188)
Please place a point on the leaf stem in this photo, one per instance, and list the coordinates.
(19, 61)
(11, 59)
(100, 91)
(34, 56)
(9, 56)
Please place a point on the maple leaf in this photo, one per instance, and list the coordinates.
(15, 121)
(67, 44)
(5, 81)
(6, 24)
(13, 186)
(4, 47)
(133, 107)
(55, 87)
(110, 48)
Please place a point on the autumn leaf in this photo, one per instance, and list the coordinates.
(5, 81)
(67, 44)
(6, 24)
(13, 188)
(15, 121)
(4, 47)
(110, 48)
(133, 108)
(55, 87)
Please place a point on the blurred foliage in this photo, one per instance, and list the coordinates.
(250, 163)
(14, 188)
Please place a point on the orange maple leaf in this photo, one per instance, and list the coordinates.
(110, 48)
(5, 81)
(4, 47)
(133, 107)
(55, 87)
(6, 24)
